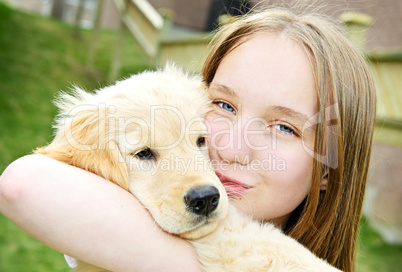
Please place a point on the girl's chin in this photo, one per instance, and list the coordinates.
(250, 209)
(245, 208)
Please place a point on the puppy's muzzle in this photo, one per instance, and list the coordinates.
(202, 200)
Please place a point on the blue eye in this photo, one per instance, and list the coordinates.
(226, 107)
(284, 129)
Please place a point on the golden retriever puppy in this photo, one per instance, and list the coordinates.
(147, 134)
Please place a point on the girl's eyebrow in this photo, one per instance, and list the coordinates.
(219, 88)
(301, 120)
(301, 117)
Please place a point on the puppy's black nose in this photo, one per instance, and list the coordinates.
(202, 200)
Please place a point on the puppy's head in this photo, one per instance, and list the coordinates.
(147, 134)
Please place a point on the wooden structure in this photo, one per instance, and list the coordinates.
(160, 41)
(384, 190)
(383, 203)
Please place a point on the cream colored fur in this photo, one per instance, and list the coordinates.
(163, 111)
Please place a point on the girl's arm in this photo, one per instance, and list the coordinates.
(86, 217)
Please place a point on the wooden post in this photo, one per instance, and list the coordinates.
(78, 16)
(57, 9)
(95, 33)
(116, 61)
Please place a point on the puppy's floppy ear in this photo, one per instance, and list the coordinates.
(84, 138)
(106, 162)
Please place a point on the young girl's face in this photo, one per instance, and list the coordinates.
(263, 95)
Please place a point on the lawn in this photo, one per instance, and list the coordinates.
(39, 57)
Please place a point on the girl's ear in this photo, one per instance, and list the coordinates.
(324, 181)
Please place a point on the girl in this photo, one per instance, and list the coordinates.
(290, 137)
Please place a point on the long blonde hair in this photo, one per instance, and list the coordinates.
(327, 221)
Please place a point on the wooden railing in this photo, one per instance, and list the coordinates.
(158, 39)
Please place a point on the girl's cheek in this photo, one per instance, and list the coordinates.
(212, 129)
(287, 159)
(208, 121)
(216, 123)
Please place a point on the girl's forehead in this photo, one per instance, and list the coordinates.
(269, 70)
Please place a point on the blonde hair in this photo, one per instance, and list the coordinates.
(327, 221)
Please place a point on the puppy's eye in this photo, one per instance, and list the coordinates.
(144, 154)
(201, 141)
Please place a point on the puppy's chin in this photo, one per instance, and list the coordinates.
(201, 231)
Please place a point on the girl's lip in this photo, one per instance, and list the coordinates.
(232, 186)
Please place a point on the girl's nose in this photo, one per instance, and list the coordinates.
(238, 142)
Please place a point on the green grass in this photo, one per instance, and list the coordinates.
(19, 252)
(374, 254)
(39, 57)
